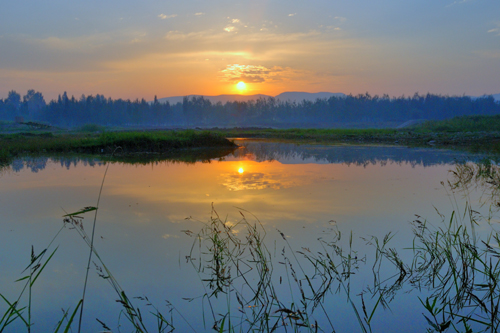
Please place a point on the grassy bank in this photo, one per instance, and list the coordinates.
(463, 124)
(486, 141)
(107, 142)
(476, 133)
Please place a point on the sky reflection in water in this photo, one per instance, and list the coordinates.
(142, 231)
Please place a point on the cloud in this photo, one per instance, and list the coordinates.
(199, 14)
(340, 19)
(496, 30)
(99, 60)
(292, 14)
(257, 73)
(164, 17)
(458, 2)
(270, 39)
(247, 73)
(231, 26)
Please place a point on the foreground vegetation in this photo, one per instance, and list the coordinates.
(454, 269)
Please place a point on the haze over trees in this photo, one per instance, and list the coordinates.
(198, 111)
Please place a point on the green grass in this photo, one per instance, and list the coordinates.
(318, 135)
(462, 124)
(107, 142)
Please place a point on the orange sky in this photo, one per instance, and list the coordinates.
(127, 50)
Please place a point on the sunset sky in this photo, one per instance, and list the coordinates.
(139, 49)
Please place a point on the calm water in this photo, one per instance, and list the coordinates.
(148, 211)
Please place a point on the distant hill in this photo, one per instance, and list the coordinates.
(292, 96)
(286, 96)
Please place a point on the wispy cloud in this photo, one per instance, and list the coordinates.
(254, 46)
(496, 30)
(247, 73)
(292, 14)
(459, 2)
(233, 25)
(338, 21)
(257, 73)
(199, 14)
(164, 16)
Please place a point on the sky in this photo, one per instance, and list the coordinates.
(138, 49)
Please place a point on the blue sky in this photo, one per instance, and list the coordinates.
(136, 49)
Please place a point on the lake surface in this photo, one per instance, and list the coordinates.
(149, 215)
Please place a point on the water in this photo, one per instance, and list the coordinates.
(149, 214)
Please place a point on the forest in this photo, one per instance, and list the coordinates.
(266, 112)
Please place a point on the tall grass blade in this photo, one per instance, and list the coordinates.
(70, 320)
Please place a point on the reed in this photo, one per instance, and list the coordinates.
(459, 267)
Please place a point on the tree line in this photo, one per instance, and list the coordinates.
(199, 111)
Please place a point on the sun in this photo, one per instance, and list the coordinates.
(240, 170)
(241, 86)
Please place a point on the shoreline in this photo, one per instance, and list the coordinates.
(168, 141)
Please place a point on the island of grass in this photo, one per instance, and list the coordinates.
(121, 142)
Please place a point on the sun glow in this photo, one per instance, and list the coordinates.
(241, 86)
(240, 170)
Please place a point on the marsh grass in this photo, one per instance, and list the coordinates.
(106, 142)
(289, 292)
(461, 271)
(455, 263)
(462, 124)
(130, 311)
(16, 310)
